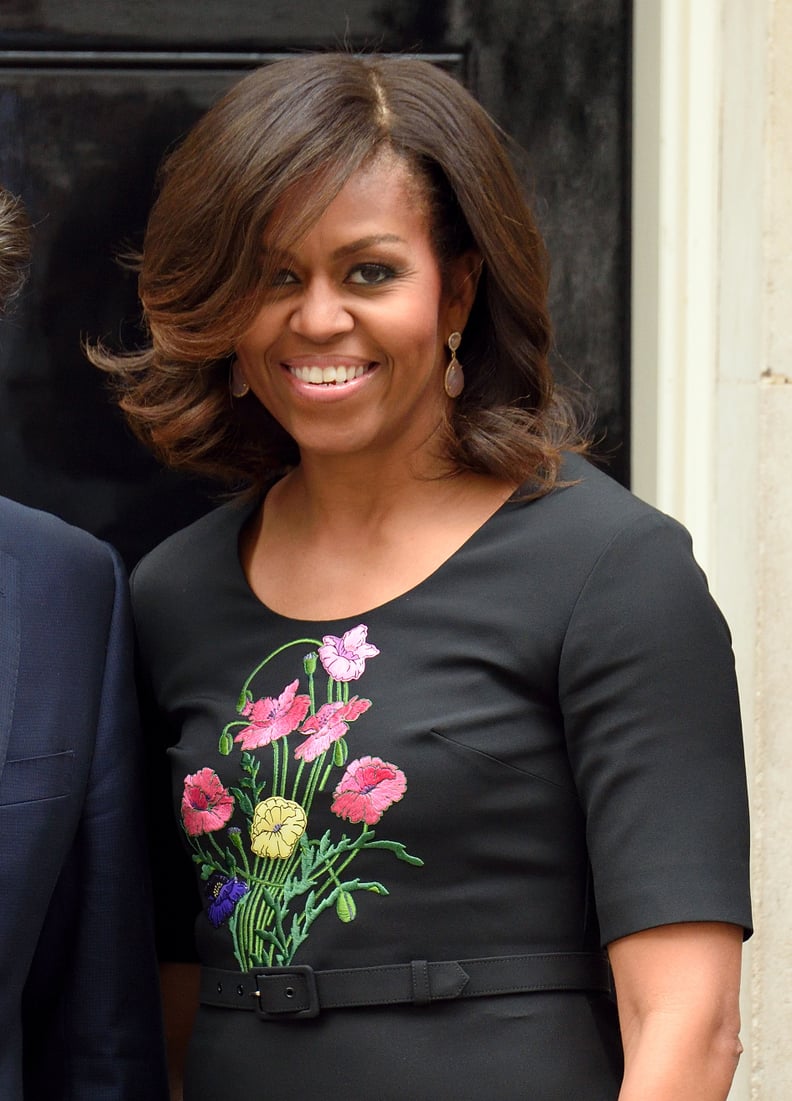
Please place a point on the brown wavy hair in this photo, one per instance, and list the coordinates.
(315, 120)
(14, 246)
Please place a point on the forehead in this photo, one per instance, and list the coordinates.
(384, 188)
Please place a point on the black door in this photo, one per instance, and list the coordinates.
(92, 94)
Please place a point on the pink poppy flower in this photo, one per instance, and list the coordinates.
(367, 788)
(330, 723)
(273, 718)
(206, 805)
(345, 658)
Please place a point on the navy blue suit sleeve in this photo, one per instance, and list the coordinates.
(108, 1026)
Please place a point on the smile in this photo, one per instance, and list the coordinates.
(332, 375)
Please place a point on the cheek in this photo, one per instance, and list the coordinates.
(261, 333)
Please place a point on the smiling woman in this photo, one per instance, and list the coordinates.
(254, 176)
(451, 717)
(347, 350)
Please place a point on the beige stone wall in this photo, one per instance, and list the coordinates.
(712, 415)
(771, 972)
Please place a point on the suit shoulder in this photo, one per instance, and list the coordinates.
(40, 536)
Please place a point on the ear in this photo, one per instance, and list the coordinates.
(463, 278)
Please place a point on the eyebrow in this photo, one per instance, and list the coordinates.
(359, 245)
(367, 242)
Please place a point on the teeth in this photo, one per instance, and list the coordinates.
(328, 375)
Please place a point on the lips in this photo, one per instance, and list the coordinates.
(334, 374)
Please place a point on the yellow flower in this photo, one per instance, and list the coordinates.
(278, 824)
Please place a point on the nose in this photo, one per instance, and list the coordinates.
(320, 312)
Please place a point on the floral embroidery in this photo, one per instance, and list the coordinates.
(278, 824)
(344, 658)
(269, 882)
(368, 787)
(273, 719)
(330, 723)
(223, 895)
(206, 805)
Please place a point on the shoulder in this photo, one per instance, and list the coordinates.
(588, 499)
(46, 543)
(183, 561)
(587, 517)
(68, 583)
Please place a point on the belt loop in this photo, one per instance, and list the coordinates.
(421, 991)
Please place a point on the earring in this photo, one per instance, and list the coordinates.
(454, 381)
(237, 383)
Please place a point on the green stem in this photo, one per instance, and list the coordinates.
(235, 722)
(232, 928)
(297, 779)
(213, 840)
(275, 767)
(205, 857)
(329, 865)
(248, 873)
(313, 779)
(284, 765)
(274, 654)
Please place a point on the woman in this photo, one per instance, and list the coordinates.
(447, 709)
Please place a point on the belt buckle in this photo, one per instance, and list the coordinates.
(286, 993)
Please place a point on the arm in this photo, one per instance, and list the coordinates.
(677, 988)
(180, 983)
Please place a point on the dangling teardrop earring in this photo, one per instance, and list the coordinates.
(454, 381)
(237, 383)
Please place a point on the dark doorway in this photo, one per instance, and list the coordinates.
(91, 95)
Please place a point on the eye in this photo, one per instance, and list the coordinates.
(282, 278)
(369, 275)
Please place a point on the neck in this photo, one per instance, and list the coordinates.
(327, 499)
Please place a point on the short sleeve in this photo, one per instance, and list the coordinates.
(651, 716)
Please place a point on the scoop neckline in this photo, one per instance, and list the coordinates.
(241, 577)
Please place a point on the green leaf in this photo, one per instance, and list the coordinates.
(206, 870)
(346, 907)
(398, 850)
(294, 887)
(266, 936)
(243, 802)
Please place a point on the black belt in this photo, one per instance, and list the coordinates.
(289, 993)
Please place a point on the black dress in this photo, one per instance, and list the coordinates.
(536, 749)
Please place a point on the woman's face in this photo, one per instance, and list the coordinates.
(348, 349)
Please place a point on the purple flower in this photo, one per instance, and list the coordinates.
(223, 894)
(344, 658)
